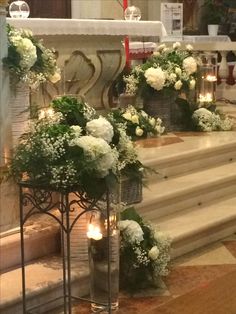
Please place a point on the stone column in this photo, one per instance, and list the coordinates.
(8, 190)
(5, 116)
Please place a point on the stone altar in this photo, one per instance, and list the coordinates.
(90, 54)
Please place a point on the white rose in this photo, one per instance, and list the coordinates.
(155, 78)
(192, 84)
(176, 45)
(178, 71)
(100, 127)
(127, 116)
(152, 121)
(153, 253)
(166, 49)
(190, 65)
(172, 77)
(156, 53)
(144, 114)
(159, 236)
(139, 131)
(161, 47)
(178, 85)
(76, 129)
(189, 47)
(135, 119)
(55, 77)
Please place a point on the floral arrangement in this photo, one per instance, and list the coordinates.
(144, 252)
(207, 121)
(138, 123)
(28, 59)
(75, 147)
(169, 69)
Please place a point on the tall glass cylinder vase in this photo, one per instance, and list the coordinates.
(207, 81)
(20, 103)
(103, 235)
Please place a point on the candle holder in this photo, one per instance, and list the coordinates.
(207, 80)
(103, 235)
(19, 9)
(132, 13)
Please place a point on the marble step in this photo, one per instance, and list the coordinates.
(195, 152)
(195, 227)
(42, 237)
(43, 283)
(189, 190)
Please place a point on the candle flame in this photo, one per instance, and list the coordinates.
(211, 78)
(94, 232)
(206, 98)
(48, 112)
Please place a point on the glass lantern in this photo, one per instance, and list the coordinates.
(19, 9)
(103, 236)
(207, 80)
(132, 14)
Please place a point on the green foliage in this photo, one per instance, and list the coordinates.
(75, 112)
(214, 12)
(61, 151)
(144, 253)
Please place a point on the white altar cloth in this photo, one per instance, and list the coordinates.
(90, 27)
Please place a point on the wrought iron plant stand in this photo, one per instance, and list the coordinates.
(36, 199)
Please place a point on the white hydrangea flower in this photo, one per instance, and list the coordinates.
(97, 150)
(190, 65)
(178, 85)
(27, 51)
(155, 78)
(132, 230)
(100, 127)
(153, 253)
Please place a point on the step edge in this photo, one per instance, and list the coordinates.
(195, 231)
(190, 190)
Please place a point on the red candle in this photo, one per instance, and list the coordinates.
(125, 5)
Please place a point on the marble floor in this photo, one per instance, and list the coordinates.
(202, 282)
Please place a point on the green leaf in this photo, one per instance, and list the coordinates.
(131, 214)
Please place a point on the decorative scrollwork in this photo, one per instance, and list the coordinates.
(35, 200)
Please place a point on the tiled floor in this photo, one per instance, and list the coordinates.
(202, 282)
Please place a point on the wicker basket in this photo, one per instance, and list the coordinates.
(131, 191)
(164, 107)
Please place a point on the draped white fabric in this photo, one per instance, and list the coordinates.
(90, 27)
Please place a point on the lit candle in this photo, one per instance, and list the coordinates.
(211, 78)
(205, 98)
(94, 232)
(48, 112)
